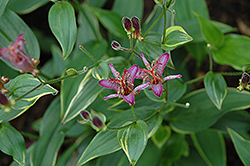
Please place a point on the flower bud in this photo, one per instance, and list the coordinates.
(97, 122)
(245, 79)
(137, 29)
(85, 115)
(127, 24)
(115, 45)
(4, 100)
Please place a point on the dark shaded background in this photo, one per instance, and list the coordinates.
(232, 12)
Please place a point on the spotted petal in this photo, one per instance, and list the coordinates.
(171, 77)
(131, 73)
(163, 60)
(157, 89)
(145, 62)
(112, 96)
(6, 54)
(141, 87)
(115, 73)
(108, 84)
(142, 75)
(129, 98)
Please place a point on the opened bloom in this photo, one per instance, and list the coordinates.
(16, 55)
(123, 85)
(153, 74)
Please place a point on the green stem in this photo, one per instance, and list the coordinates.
(133, 110)
(87, 53)
(165, 24)
(230, 74)
(20, 97)
(195, 80)
(131, 42)
(29, 135)
(88, 20)
(210, 57)
(158, 19)
(179, 105)
(151, 43)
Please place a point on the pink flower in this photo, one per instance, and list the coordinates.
(153, 73)
(16, 55)
(124, 86)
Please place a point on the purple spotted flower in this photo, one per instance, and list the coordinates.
(16, 55)
(153, 74)
(124, 86)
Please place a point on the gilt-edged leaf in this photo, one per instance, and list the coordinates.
(86, 94)
(202, 113)
(20, 86)
(216, 88)
(12, 143)
(63, 25)
(175, 36)
(11, 25)
(241, 145)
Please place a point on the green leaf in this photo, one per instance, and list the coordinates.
(216, 88)
(246, 67)
(211, 146)
(25, 6)
(105, 142)
(234, 52)
(18, 87)
(175, 36)
(151, 50)
(202, 113)
(58, 64)
(224, 27)
(238, 121)
(211, 32)
(96, 3)
(12, 143)
(11, 25)
(161, 136)
(63, 25)
(128, 8)
(86, 94)
(110, 20)
(198, 50)
(101, 71)
(241, 145)
(133, 140)
(52, 134)
(176, 90)
(3, 4)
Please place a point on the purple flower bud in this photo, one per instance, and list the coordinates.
(3, 100)
(115, 45)
(85, 115)
(245, 79)
(127, 24)
(97, 122)
(137, 28)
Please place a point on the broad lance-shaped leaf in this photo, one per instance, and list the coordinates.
(202, 113)
(63, 25)
(216, 88)
(133, 140)
(105, 142)
(241, 145)
(211, 32)
(175, 36)
(86, 94)
(12, 143)
(3, 4)
(11, 25)
(161, 136)
(19, 86)
(211, 146)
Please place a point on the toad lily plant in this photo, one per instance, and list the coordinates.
(153, 74)
(124, 86)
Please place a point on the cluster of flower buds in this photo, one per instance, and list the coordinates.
(5, 103)
(245, 79)
(132, 26)
(94, 119)
(16, 55)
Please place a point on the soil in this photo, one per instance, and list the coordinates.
(232, 12)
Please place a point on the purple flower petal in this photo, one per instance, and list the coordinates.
(141, 87)
(163, 60)
(145, 62)
(6, 54)
(108, 84)
(157, 89)
(131, 73)
(112, 96)
(129, 98)
(171, 77)
(115, 73)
